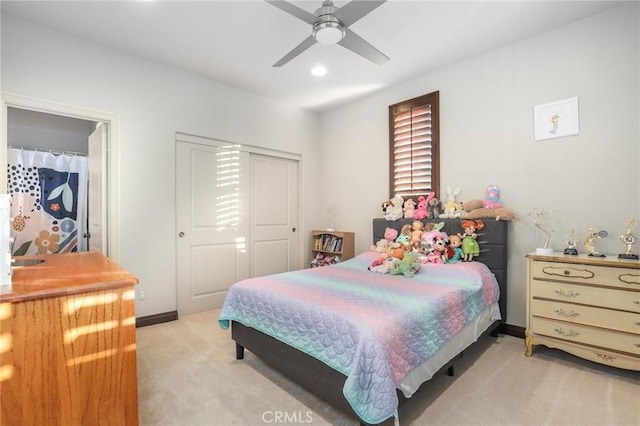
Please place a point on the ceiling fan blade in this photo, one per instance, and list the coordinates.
(306, 43)
(357, 44)
(307, 17)
(356, 9)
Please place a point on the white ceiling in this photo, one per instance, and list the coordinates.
(237, 42)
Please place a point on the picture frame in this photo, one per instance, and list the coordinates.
(556, 119)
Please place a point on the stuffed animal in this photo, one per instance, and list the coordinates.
(439, 252)
(409, 208)
(492, 200)
(381, 246)
(390, 234)
(451, 207)
(428, 236)
(394, 211)
(470, 246)
(423, 203)
(405, 235)
(474, 210)
(408, 266)
(454, 249)
(433, 210)
(382, 266)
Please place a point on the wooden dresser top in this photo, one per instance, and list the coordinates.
(64, 274)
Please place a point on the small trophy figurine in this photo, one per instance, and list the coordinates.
(331, 214)
(590, 241)
(571, 244)
(628, 239)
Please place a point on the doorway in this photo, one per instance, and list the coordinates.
(107, 216)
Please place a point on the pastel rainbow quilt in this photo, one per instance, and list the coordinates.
(372, 328)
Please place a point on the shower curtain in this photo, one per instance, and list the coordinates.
(48, 202)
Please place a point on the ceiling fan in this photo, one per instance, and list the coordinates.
(330, 24)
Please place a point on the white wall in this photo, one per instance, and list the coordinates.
(486, 122)
(153, 103)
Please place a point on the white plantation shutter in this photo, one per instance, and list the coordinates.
(413, 138)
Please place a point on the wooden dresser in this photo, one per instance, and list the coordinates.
(586, 306)
(67, 343)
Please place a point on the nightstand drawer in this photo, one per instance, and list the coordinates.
(587, 315)
(625, 342)
(586, 274)
(605, 297)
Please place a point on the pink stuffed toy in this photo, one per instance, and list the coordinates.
(390, 234)
(409, 208)
(423, 204)
(492, 201)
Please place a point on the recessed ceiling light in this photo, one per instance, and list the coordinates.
(319, 71)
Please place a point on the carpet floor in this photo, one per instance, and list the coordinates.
(188, 376)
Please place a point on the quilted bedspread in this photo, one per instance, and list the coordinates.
(372, 328)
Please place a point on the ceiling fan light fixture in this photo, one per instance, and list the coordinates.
(328, 32)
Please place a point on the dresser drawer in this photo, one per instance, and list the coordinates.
(618, 341)
(624, 278)
(587, 315)
(605, 297)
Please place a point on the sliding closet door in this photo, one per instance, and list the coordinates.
(212, 184)
(237, 217)
(274, 214)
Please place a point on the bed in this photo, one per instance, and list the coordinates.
(366, 342)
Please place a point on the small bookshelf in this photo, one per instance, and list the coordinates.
(329, 247)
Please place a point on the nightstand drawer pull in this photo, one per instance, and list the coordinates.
(571, 293)
(605, 357)
(637, 302)
(570, 314)
(637, 345)
(637, 323)
(570, 333)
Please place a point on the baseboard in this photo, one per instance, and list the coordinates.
(156, 318)
(512, 330)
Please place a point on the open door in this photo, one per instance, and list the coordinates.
(97, 220)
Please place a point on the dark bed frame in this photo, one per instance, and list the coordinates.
(327, 383)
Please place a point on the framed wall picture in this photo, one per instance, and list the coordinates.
(556, 119)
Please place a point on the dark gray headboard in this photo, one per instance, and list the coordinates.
(492, 240)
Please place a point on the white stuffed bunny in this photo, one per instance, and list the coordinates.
(451, 207)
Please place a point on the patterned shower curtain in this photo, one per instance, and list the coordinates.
(48, 202)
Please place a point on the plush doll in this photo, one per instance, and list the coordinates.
(423, 203)
(470, 246)
(451, 207)
(454, 249)
(433, 210)
(416, 233)
(408, 266)
(394, 212)
(492, 200)
(428, 236)
(439, 252)
(409, 208)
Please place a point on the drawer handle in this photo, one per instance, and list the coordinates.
(637, 323)
(570, 293)
(571, 314)
(637, 302)
(637, 345)
(605, 357)
(570, 333)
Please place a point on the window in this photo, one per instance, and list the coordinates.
(414, 135)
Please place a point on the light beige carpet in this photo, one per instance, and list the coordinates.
(188, 376)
